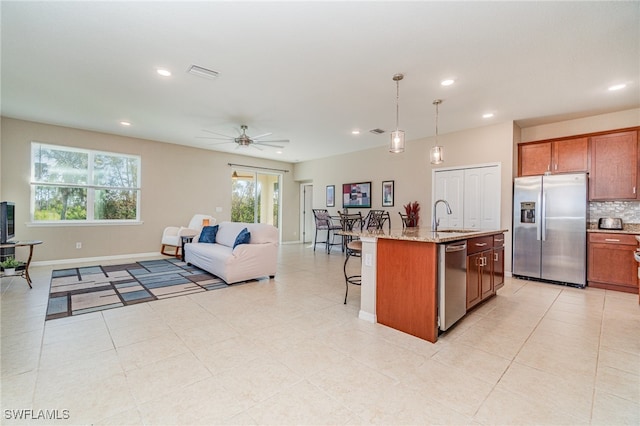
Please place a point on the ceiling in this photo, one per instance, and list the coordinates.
(312, 72)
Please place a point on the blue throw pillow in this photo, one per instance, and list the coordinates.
(208, 234)
(243, 238)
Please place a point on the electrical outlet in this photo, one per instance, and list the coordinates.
(78, 245)
(368, 260)
(218, 209)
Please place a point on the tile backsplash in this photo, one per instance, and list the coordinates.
(628, 211)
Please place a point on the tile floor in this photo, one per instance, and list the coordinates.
(288, 351)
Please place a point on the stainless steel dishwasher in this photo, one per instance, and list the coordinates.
(452, 283)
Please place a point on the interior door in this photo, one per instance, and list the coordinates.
(307, 225)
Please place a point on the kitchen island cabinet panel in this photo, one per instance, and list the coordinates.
(407, 287)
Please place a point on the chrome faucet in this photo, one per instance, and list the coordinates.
(435, 222)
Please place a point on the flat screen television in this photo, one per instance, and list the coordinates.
(7, 221)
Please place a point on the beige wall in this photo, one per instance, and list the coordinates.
(412, 171)
(177, 181)
(596, 123)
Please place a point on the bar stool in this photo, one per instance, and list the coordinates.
(354, 249)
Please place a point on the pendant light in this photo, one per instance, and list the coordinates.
(437, 151)
(397, 136)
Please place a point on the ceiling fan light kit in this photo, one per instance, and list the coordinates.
(245, 140)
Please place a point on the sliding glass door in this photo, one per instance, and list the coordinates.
(255, 197)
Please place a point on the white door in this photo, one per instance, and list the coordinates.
(449, 186)
(307, 224)
(482, 198)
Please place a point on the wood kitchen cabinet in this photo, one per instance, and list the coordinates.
(498, 262)
(479, 269)
(614, 166)
(562, 156)
(485, 268)
(611, 264)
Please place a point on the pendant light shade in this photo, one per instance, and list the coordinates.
(437, 152)
(397, 137)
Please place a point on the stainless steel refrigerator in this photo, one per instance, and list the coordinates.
(550, 228)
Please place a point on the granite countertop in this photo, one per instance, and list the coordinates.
(627, 228)
(424, 235)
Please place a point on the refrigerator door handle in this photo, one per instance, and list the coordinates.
(543, 215)
(538, 216)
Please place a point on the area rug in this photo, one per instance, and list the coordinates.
(76, 291)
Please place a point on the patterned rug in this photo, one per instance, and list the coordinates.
(76, 291)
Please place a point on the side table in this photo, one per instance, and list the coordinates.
(22, 271)
(185, 239)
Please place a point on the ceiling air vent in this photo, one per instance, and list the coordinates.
(202, 72)
(377, 131)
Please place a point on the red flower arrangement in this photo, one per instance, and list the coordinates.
(413, 213)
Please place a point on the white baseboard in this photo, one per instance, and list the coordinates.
(99, 259)
(367, 316)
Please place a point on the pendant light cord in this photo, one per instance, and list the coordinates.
(397, 105)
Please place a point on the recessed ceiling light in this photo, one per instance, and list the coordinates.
(355, 132)
(278, 152)
(617, 87)
(447, 82)
(487, 115)
(163, 72)
(125, 123)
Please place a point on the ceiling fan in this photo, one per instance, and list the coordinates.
(244, 139)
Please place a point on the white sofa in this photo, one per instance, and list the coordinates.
(244, 262)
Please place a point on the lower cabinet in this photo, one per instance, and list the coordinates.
(485, 268)
(611, 264)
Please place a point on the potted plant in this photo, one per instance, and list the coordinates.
(9, 265)
(413, 213)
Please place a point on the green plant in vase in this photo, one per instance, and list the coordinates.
(9, 265)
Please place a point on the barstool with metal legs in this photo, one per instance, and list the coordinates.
(354, 249)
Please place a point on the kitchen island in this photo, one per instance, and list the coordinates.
(400, 275)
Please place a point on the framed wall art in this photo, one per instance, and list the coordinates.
(331, 195)
(387, 193)
(356, 195)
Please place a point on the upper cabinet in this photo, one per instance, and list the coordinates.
(614, 166)
(563, 156)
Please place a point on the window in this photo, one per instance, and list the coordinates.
(81, 185)
(255, 197)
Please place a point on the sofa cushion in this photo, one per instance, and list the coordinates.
(228, 232)
(244, 237)
(208, 234)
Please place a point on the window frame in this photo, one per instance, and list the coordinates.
(90, 187)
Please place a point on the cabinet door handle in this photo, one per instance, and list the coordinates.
(480, 244)
(634, 189)
(612, 240)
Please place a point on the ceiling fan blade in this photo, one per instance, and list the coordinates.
(219, 134)
(209, 137)
(261, 136)
(219, 143)
(275, 141)
(253, 145)
(266, 144)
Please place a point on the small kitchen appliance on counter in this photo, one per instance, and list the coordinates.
(611, 223)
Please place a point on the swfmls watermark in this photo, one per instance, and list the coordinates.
(31, 414)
